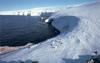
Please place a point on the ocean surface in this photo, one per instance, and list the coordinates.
(20, 30)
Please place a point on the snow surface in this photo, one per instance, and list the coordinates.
(79, 37)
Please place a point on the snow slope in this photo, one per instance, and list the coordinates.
(79, 37)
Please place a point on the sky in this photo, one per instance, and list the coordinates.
(26, 4)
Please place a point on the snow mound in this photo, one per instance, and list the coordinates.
(79, 37)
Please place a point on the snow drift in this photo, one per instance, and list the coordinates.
(79, 37)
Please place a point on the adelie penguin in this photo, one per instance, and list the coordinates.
(21, 30)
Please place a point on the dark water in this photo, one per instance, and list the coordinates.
(20, 30)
